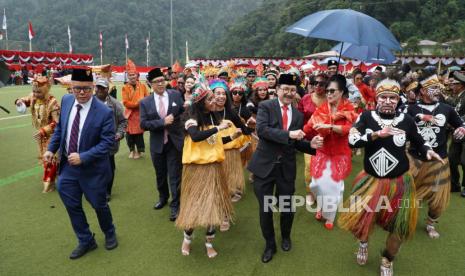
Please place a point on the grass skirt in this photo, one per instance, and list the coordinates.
(233, 171)
(432, 181)
(396, 197)
(205, 200)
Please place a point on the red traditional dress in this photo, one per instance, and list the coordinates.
(332, 163)
(368, 96)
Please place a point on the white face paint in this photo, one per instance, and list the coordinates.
(387, 102)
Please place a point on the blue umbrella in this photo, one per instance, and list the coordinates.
(379, 54)
(345, 25)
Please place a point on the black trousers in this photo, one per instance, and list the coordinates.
(456, 159)
(113, 167)
(168, 169)
(264, 187)
(134, 140)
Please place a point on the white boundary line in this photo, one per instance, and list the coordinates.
(14, 117)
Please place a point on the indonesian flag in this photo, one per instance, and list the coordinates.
(31, 31)
(126, 41)
(101, 40)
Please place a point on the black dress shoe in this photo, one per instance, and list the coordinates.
(173, 214)
(454, 188)
(111, 242)
(160, 204)
(81, 250)
(268, 254)
(286, 244)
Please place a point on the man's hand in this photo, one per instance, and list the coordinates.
(389, 131)
(317, 142)
(118, 137)
(223, 125)
(459, 133)
(169, 120)
(430, 155)
(236, 134)
(48, 156)
(19, 102)
(36, 136)
(74, 159)
(296, 134)
(251, 122)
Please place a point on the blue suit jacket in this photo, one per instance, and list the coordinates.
(97, 138)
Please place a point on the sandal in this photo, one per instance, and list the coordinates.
(329, 225)
(236, 197)
(186, 245)
(318, 215)
(225, 225)
(362, 254)
(211, 252)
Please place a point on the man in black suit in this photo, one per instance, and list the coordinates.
(274, 162)
(160, 114)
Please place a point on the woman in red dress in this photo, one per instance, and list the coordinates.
(315, 96)
(332, 163)
(368, 93)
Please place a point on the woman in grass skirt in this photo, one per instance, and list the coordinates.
(233, 164)
(205, 200)
(384, 193)
(237, 90)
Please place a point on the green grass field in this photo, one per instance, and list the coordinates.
(36, 236)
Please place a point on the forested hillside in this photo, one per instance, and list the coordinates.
(201, 22)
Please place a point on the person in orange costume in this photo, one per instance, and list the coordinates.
(134, 91)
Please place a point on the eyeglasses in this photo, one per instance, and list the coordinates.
(287, 90)
(331, 91)
(158, 81)
(319, 83)
(86, 89)
(235, 93)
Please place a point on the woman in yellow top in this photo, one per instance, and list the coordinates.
(205, 200)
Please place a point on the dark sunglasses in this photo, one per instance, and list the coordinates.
(240, 93)
(319, 83)
(331, 91)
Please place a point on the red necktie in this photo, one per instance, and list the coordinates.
(74, 136)
(285, 117)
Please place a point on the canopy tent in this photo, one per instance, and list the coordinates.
(15, 60)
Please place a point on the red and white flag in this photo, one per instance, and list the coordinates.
(31, 31)
(126, 41)
(101, 40)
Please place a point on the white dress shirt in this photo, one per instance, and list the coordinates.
(164, 98)
(289, 113)
(84, 111)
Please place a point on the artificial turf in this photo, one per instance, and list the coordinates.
(36, 236)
